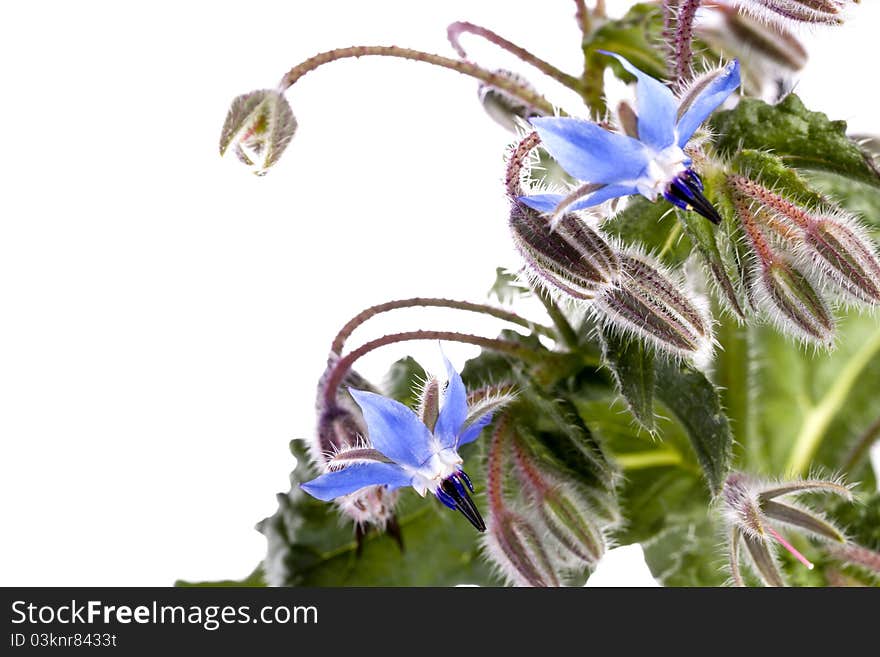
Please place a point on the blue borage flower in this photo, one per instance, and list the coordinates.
(655, 163)
(404, 451)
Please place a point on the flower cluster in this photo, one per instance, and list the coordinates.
(798, 253)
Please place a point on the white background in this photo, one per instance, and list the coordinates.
(165, 314)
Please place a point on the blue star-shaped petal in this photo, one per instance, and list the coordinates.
(655, 163)
(406, 452)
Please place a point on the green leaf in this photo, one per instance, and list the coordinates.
(507, 287)
(695, 401)
(857, 197)
(734, 376)
(652, 226)
(632, 364)
(633, 36)
(686, 552)
(803, 139)
(702, 233)
(402, 380)
(308, 546)
(813, 405)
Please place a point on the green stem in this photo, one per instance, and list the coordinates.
(819, 417)
(863, 444)
(652, 458)
(560, 321)
(501, 82)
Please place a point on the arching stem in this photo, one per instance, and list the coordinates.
(523, 93)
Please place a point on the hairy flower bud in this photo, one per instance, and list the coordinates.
(796, 303)
(559, 504)
(847, 256)
(778, 285)
(769, 45)
(572, 258)
(514, 544)
(829, 240)
(504, 108)
(798, 11)
(645, 301)
(258, 127)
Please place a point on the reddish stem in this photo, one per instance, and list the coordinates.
(525, 94)
(342, 366)
(364, 315)
(455, 30)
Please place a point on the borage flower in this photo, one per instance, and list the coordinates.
(405, 450)
(651, 163)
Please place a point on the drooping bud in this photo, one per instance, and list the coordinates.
(504, 108)
(644, 301)
(796, 301)
(339, 441)
(845, 254)
(514, 545)
(737, 33)
(778, 285)
(825, 12)
(258, 128)
(830, 240)
(562, 509)
(573, 258)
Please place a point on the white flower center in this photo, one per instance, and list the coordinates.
(661, 170)
(443, 463)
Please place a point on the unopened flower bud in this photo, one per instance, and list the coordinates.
(846, 255)
(778, 284)
(829, 240)
(258, 128)
(646, 302)
(795, 302)
(563, 510)
(504, 108)
(797, 11)
(768, 42)
(514, 544)
(572, 258)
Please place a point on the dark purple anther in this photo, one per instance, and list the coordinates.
(686, 192)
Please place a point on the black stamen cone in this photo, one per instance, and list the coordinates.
(464, 503)
(686, 192)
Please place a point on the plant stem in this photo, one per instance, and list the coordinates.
(863, 444)
(817, 420)
(560, 321)
(426, 302)
(582, 16)
(340, 367)
(455, 30)
(684, 35)
(501, 82)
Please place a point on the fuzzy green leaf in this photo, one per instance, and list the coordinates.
(803, 139)
(695, 401)
(632, 364)
(308, 546)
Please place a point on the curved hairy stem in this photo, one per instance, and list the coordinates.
(523, 93)
(455, 30)
(341, 367)
(427, 302)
